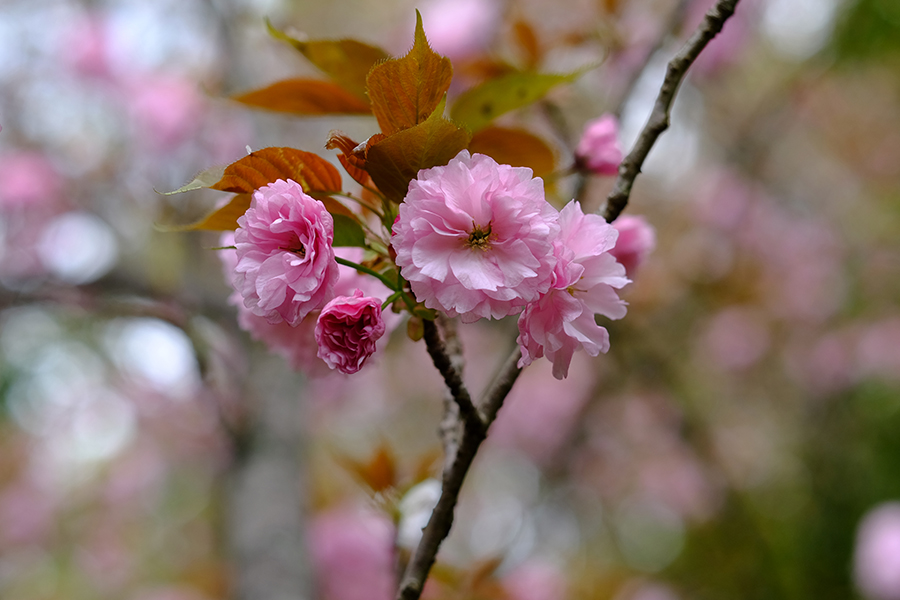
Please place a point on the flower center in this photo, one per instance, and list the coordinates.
(295, 247)
(478, 238)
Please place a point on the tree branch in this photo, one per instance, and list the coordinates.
(452, 376)
(492, 400)
(659, 118)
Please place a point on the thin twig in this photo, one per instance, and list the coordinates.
(659, 118)
(452, 377)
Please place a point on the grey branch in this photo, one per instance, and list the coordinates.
(659, 118)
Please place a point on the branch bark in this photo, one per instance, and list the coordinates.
(659, 118)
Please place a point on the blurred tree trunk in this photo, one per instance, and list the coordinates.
(263, 498)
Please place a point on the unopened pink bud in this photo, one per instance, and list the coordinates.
(598, 150)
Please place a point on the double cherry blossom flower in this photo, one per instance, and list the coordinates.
(474, 239)
(478, 239)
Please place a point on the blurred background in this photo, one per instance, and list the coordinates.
(740, 440)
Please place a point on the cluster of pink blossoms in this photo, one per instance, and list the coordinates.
(478, 239)
(286, 274)
(474, 239)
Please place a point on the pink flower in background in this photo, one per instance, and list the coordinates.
(28, 179)
(637, 239)
(544, 411)
(460, 28)
(535, 581)
(474, 238)
(598, 151)
(584, 281)
(353, 555)
(347, 329)
(166, 110)
(876, 561)
(85, 47)
(286, 266)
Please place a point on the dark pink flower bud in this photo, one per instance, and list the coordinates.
(598, 150)
(347, 330)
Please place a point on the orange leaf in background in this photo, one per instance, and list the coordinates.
(305, 97)
(380, 473)
(527, 41)
(396, 160)
(405, 91)
(514, 147)
(347, 62)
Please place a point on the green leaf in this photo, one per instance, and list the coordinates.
(346, 62)
(396, 160)
(221, 219)
(483, 103)
(305, 97)
(405, 91)
(348, 232)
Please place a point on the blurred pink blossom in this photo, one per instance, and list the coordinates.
(878, 350)
(735, 338)
(26, 514)
(28, 179)
(347, 329)
(876, 561)
(584, 281)
(474, 238)
(460, 28)
(85, 47)
(535, 581)
(540, 412)
(173, 592)
(646, 590)
(352, 554)
(166, 110)
(598, 150)
(726, 48)
(636, 240)
(286, 266)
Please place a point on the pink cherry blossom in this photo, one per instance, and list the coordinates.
(347, 329)
(584, 281)
(598, 151)
(297, 345)
(459, 29)
(286, 266)
(474, 238)
(535, 580)
(353, 554)
(877, 554)
(637, 238)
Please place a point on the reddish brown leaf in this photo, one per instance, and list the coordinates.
(260, 168)
(353, 162)
(395, 160)
(405, 91)
(347, 62)
(515, 147)
(305, 97)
